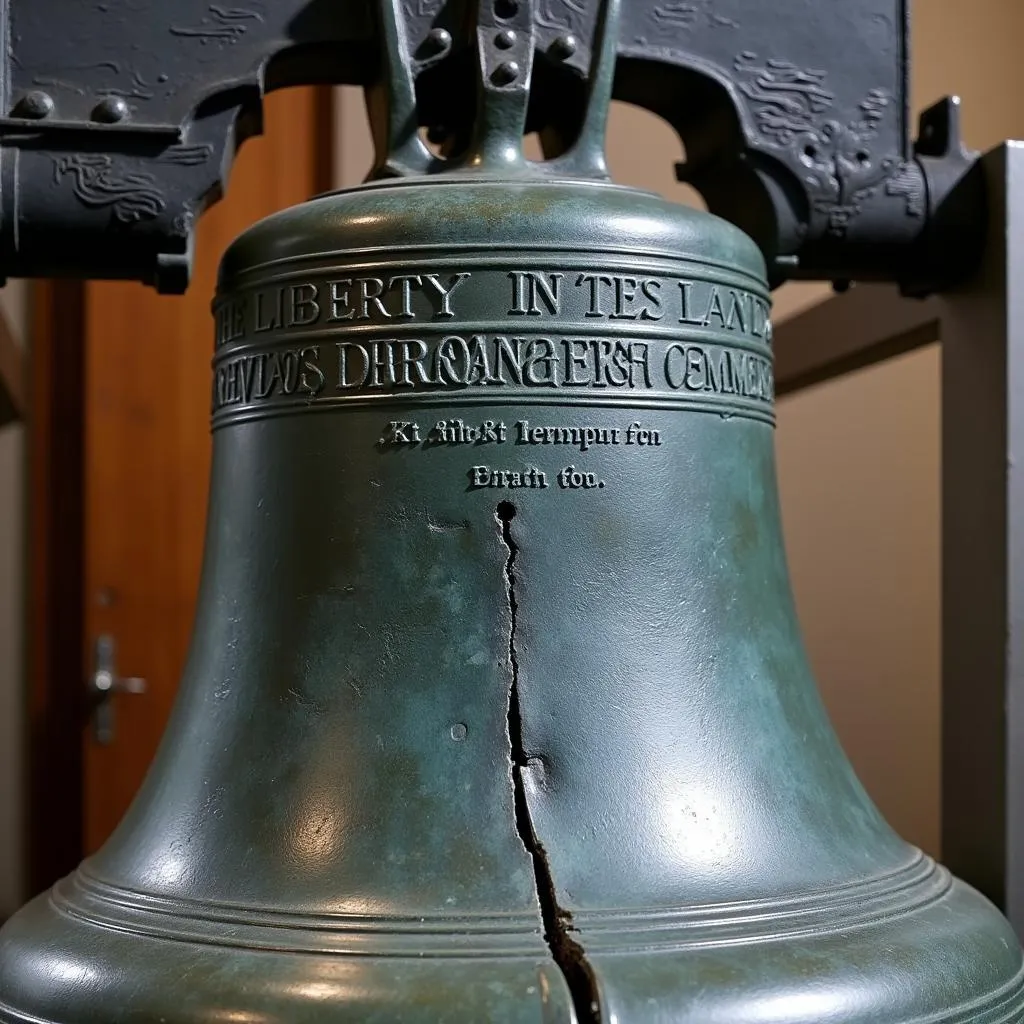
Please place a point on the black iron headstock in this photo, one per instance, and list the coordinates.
(122, 118)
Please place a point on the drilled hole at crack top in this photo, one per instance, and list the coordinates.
(506, 511)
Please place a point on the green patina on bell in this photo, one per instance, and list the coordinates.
(496, 708)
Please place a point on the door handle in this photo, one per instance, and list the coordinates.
(103, 684)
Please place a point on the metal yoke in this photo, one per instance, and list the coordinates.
(120, 130)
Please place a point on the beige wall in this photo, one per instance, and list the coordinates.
(12, 446)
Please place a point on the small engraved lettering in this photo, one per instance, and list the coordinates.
(572, 479)
(636, 434)
(457, 431)
(370, 291)
(492, 432)
(445, 291)
(583, 438)
(231, 320)
(586, 437)
(734, 311)
(628, 298)
(401, 432)
(258, 376)
(510, 479)
(405, 283)
(304, 308)
(529, 286)
(729, 372)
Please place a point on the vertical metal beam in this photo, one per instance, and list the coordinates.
(982, 332)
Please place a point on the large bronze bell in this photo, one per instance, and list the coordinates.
(496, 708)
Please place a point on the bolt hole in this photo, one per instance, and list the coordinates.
(810, 152)
(505, 9)
(437, 140)
(505, 73)
(863, 157)
(506, 511)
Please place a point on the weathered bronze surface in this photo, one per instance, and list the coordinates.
(496, 708)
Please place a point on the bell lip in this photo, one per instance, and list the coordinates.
(907, 889)
(949, 927)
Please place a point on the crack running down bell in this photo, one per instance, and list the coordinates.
(496, 708)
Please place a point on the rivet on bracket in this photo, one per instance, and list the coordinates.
(110, 110)
(34, 105)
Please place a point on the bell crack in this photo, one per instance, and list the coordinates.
(569, 955)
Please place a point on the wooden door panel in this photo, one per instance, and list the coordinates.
(147, 453)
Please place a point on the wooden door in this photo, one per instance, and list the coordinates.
(146, 453)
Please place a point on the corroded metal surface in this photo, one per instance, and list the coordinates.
(496, 703)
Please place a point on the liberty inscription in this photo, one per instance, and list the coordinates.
(525, 331)
(412, 298)
(481, 334)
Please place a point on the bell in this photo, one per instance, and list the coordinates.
(496, 708)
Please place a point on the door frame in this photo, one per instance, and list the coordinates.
(56, 641)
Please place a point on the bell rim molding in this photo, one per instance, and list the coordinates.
(915, 885)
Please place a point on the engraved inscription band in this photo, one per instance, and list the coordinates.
(477, 333)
